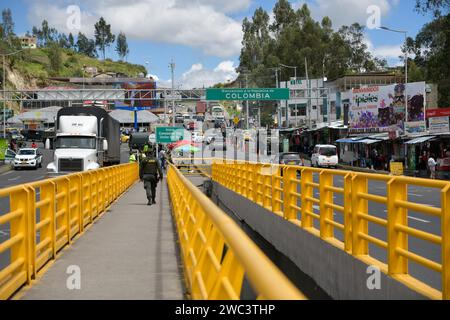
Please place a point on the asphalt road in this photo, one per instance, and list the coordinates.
(417, 220)
(13, 178)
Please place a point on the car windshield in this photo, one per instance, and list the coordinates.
(291, 156)
(27, 152)
(327, 151)
(75, 143)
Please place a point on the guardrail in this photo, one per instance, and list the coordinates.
(289, 191)
(194, 166)
(216, 253)
(45, 216)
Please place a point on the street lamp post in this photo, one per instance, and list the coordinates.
(172, 68)
(406, 66)
(287, 104)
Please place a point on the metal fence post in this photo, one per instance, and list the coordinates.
(445, 246)
(307, 191)
(397, 264)
(348, 213)
(288, 188)
(360, 245)
(326, 199)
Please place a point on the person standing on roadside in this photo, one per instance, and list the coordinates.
(432, 166)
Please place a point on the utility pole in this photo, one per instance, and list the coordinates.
(172, 68)
(278, 108)
(246, 103)
(4, 98)
(309, 95)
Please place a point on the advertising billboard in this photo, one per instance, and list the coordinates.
(382, 108)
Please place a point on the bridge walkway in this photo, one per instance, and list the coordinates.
(129, 253)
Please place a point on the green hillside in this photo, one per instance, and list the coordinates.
(36, 65)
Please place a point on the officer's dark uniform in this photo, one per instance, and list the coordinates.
(150, 172)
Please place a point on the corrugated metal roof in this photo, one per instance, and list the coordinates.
(125, 116)
(420, 140)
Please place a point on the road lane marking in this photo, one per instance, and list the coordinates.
(415, 195)
(6, 173)
(414, 218)
(14, 179)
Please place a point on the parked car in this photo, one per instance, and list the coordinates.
(28, 158)
(324, 156)
(290, 158)
(9, 156)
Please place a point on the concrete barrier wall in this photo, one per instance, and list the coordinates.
(335, 271)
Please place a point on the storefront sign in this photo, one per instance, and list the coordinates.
(441, 112)
(397, 168)
(439, 125)
(380, 108)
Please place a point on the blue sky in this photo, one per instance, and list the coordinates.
(203, 36)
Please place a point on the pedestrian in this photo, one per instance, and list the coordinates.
(432, 166)
(150, 173)
(132, 158)
(162, 159)
(34, 145)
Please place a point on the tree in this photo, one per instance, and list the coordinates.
(63, 41)
(7, 25)
(103, 36)
(432, 48)
(122, 46)
(36, 32)
(86, 46)
(436, 6)
(55, 58)
(354, 37)
(71, 41)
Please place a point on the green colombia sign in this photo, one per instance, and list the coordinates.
(169, 134)
(247, 94)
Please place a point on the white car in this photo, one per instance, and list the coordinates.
(10, 155)
(28, 158)
(325, 155)
(197, 137)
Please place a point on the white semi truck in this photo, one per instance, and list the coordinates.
(86, 138)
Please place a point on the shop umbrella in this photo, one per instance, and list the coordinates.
(179, 143)
(187, 148)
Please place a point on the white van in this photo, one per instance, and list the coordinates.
(325, 155)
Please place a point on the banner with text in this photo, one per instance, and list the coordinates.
(382, 108)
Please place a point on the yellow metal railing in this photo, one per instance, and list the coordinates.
(289, 191)
(216, 253)
(45, 216)
(194, 166)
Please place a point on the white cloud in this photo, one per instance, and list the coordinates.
(389, 52)
(196, 23)
(198, 77)
(346, 12)
(226, 6)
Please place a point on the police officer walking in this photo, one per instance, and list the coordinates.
(150, 172)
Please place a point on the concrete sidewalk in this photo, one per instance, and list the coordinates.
(129, 253)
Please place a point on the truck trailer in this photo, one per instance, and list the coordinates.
(86, 138)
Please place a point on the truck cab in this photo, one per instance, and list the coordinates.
(83, 141)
